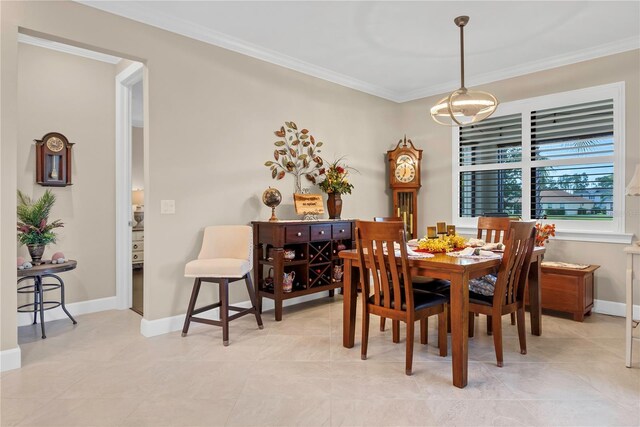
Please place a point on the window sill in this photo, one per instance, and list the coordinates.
(577, 236)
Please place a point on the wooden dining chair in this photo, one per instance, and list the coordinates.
(508, 294)
(419, 283)
(494, 230)
(393, 295)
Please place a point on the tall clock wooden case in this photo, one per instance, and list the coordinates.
(53, 160)
(404, 178)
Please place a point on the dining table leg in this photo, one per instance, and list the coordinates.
(350, 284)
(535, 296)
(460, 328)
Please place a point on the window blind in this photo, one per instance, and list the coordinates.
(570, 189)
(494, 140)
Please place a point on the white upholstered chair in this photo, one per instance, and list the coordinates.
(226, 256)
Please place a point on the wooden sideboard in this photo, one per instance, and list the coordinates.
(316, 245)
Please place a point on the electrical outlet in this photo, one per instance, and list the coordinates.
(167, 207)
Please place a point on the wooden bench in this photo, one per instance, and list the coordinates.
(568, 290)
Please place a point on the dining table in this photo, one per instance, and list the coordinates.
(458, 270)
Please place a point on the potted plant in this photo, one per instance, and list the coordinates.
(34, 228)
(335, 185)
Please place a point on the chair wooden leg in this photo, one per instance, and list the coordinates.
(522, 335)
(497, 337)
(424, 330)
(252, 297)
(513, 318)
(365, 331)
(382, 322)
(448, 317)
(409, 362)
(489, 325)
(223, 285)
(191, 307)
(471, 324)
(442, 332)
(395, 326)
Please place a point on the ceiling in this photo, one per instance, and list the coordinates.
(401, 50)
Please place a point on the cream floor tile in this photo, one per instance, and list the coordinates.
(82, 412)
(179, 411)
(15, 410)
(585, 413)
(482, 413)
(280, 412)
(381, 412)
(296, 372)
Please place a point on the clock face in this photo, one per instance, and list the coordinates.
(55, 144)
(405, 172)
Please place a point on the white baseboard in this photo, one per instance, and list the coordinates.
(76, 309)
(10, 359)
(614, 308)
(152, 328)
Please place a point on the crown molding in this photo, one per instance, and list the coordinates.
(198, 32)
(140, 13)
(61, 47)
(594, 52)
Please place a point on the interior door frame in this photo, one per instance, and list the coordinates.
(124, 82)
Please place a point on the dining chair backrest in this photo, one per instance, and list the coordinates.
(227, 241)
(377, 259)
(493, 229)
(386, 218)
(514, 268)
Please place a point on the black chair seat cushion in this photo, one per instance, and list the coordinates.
(431, 285)
(421, 300)
(480, 299)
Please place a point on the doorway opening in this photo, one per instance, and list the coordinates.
(130, 188)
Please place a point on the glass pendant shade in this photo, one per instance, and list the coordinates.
(463, 106)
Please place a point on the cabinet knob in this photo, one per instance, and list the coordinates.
(299, 234)
(135, 257)
(135, 246)
(321, 231)
(342, 231)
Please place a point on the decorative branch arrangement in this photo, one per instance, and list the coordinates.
(296, 153)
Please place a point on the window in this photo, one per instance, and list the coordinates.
(556, 158)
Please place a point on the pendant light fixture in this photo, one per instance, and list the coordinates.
(463, 106)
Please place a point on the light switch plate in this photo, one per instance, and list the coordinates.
(167, 207)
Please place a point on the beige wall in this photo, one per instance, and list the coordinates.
(437, 192)
(76, 97)
(210, 114)
(209, 118)
(137, 158)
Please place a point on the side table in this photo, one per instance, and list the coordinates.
(37, 273)
(630, 251)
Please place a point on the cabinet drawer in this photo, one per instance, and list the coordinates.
(341, 230)
(296, 234)
(137, 245)
(137, 235)
(321, 232)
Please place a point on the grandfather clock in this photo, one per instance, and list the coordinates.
(404, 178)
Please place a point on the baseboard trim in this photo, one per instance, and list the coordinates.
(614, 308)
(10, 359)
(76, 309)
(165, 325)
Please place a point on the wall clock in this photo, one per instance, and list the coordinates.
(53, 160)
(404, 179)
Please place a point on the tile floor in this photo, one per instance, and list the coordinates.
(296, 372)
